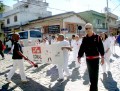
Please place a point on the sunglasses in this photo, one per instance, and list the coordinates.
(87, 28)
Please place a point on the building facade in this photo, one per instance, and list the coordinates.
(99, 20)
(23, 12)
(66, 23)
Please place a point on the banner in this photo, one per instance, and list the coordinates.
(44, 53)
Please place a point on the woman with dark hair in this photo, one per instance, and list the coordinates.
(106, 43)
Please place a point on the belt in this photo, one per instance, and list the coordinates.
(92, 57)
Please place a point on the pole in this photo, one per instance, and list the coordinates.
(107, 19)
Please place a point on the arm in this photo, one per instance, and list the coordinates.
(22, 55)
(101, 50)
(11, 51)
(67, 47)
(100, 47)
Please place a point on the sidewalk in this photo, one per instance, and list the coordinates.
(44, 77)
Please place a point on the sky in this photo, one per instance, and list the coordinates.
(61, 6)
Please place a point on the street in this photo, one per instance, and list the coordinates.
(44, 78)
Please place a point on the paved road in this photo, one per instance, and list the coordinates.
(44, 77)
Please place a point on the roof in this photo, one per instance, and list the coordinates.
(58, 16)
(94, 12)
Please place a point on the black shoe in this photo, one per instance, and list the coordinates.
(60, 80)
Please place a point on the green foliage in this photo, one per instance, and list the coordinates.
(2, 6)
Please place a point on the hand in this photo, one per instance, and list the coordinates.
(70, 49)
(102, 61)
(25, 58)
(79, 61)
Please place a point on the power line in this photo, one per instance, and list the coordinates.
(115, 7)
(40, 6)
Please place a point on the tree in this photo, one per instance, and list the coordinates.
(2, 7)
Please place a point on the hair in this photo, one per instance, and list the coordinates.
(89, 24)
(15, 36)
(106, 36)
(73, 36)
(61, 35)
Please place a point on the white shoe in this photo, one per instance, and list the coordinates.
(25, 81)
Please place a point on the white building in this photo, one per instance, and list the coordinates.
(25, 11)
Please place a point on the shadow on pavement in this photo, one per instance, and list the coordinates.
(9, 66)
(75, 74)
(111, 60)
(116, 56)
(53, 73)
(40, 68)
(109, 83)
(59, 86)
(5, 87)
(29, 86)
(72, 65)
(86, 77)
(3, 73)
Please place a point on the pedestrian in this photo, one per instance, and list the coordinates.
(17, 60)
(112, 43)
(2, 47)
(44, 42)
(65, 47)
(76, 48)
(92, 46)
(107, 44)
(72, 43)
(118, 39)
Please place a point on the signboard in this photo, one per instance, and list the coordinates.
(54, 29)
(44, 54)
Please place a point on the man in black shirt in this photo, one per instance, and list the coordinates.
(92, 46)
(17, 60)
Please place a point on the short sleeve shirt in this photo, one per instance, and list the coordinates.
(17, 48)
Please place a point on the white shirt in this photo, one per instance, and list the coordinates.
(63, 44)
(107, 45)
(72, 42)
(77, 44)
(112, 40)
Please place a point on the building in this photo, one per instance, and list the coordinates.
(99, 20)
(23, 12)
(66, 23)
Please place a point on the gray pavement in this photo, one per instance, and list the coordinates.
(44, 77)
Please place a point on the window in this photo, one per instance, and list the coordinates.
(24, 35)
(98, 21)
(35, 34)
(8, 21)
(15, 18)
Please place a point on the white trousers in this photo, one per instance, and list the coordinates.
(75, 55)
(62, 68)
(112, 48)
(19, 63)
(106, 64)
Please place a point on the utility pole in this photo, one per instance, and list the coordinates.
(107, 19)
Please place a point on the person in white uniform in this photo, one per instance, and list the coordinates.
(76, 48)
(65, 47)
(107, 44)
(112, 43)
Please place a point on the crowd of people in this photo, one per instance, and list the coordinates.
(92, 47)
